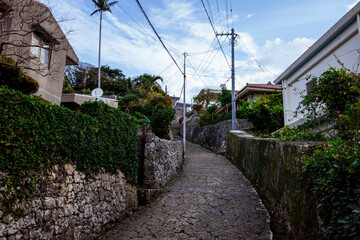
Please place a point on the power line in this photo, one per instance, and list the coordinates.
(196, 73)
(142, 10)
(218, 10)
(145, 30)
(168, 66)
(222, 50)
(258, 62)
(212, 18)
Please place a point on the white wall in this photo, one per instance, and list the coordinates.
(345, 46)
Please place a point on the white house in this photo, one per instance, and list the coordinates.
(341, 42)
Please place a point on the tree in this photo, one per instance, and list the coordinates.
(148, 83)
(204, 97)
(84, 76)
(225, 96)
(102, 6)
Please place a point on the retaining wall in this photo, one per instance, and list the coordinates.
(213, 136)
(66, 206)
(163, 160)
(274, 169)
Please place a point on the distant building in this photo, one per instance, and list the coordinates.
(341, 42)
(174, 100)
(32, 37)
(253, 91)
(207, 97)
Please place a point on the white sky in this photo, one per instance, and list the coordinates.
(276, 32)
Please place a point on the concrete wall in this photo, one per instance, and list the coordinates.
(274, 169)
(68, 207)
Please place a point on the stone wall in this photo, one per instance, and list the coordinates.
(66, 206)
(163, 160)
(274, 169)
(213, 136)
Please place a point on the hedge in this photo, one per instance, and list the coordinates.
(13, 76)
(36, 135)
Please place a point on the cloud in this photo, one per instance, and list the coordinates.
(350, 6)
(249, 16)
(184, 28)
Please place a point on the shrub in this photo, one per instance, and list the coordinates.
(334, 94)
(299, 134)
(11, 75)
(141, 118)
(244, 110)
(265, 113)
(35, 136)
(333, 172)
(161, 119)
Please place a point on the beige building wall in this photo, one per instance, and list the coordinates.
(38, 22)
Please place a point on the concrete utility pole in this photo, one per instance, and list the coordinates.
(233, 108)
(184, 110)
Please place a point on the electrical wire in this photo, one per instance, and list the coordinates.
(218, 11)
(258, 62)
(145, 30)
(168, 66)
(222, 50)
(197, 73)
(144, 13)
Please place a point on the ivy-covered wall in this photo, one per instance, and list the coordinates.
(35, 136)
(273, 167)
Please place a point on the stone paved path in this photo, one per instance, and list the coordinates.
(210, 199)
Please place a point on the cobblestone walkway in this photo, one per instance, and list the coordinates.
(211, 199)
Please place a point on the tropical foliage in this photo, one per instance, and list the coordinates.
(224, 96)
(333, 169)
(335, 94)
(265, 113)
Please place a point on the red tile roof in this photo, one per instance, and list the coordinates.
(269, 85)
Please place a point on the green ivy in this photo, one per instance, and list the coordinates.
(333, 172)
(36, 135)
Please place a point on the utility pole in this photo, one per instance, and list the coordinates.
(233, 110)
(184, 110)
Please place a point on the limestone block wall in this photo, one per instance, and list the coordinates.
(66, 206)
(274, 169)
(213, 136)
(163, 160)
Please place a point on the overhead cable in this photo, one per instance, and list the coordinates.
(222, 50)
(258, 62)
(162, 43)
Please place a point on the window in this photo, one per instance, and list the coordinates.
(40, 49)
(309, 85)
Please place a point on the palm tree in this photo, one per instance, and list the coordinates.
(102, 6)
(148, 82)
